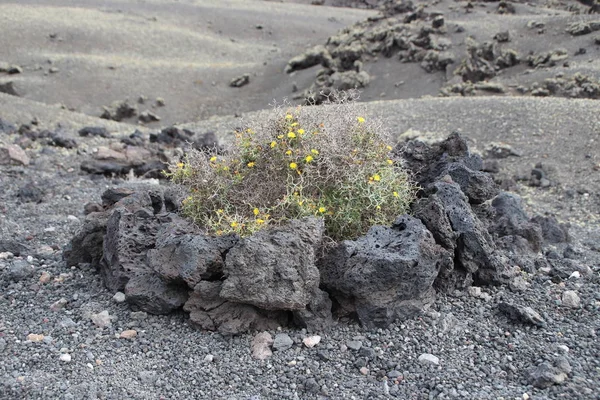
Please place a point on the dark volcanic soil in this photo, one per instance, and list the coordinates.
(116, 50)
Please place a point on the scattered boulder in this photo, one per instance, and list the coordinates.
(240, 81)
(119, 111)
(121, 159)
(314, 56)
(148, 116)
(94, 131)
(8, 88)
(583, 27)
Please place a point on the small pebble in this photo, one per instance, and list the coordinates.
(65, 357)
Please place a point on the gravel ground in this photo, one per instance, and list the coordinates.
(478, 353)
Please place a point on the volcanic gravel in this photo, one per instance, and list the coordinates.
(463, 347)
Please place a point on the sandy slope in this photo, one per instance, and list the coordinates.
(183, 51)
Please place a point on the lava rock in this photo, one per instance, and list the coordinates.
(275, 269)
(552, 231)
(387, 274)
(94, 131)
(153, 295)
(30, 193)
(188, 258)
(208, 310)
(523, 314)
(240, 81)
(119, 111)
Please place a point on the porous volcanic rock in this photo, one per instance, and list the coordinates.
(208, 310)
(387, 274)
(275, 269)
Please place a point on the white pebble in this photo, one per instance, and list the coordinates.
(119, 297)
(29, 259)
(311, 341)
(575, 275)
(571, 299)
(427, 358)
(209, 358)
(65, 357)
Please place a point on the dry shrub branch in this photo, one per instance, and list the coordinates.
(325, 161)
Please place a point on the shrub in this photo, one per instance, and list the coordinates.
(326, 161)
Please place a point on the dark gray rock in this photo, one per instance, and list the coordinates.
(522, 314)
(451, 157)
(8, 88)
(511, 220)
(317, 315)
(545, 375)
(19, 270)
(94, 131)
(210, 311)
(153, 295)
(13, 246)
(62, 141)
(30, 193)
(189, 258)
(275, 269)
(282, 342)
(552, 231)
(240, 81)
(447, 213)
(387, 274)
(314, 56)
(172, 136)
(119, 111)
(87, 245)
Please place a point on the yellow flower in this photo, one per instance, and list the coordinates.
(389, 148)
(250, 131)
(360, 120)
(260, 221)
(289, 152)
(390, 162)
(293, 165)
(233, 224)
(213, 159)
(220, 211)
(378, 207)
(300, 202)
(322, 209)
(279, 136)
(308, 159)
(294, 124)
(300, 131)
(289, 116)
(180, 165)
(396, 194)
(256, 211)
(376, 178)
(291, 135)
(273, 144)
(315, 152)
(251, 164)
